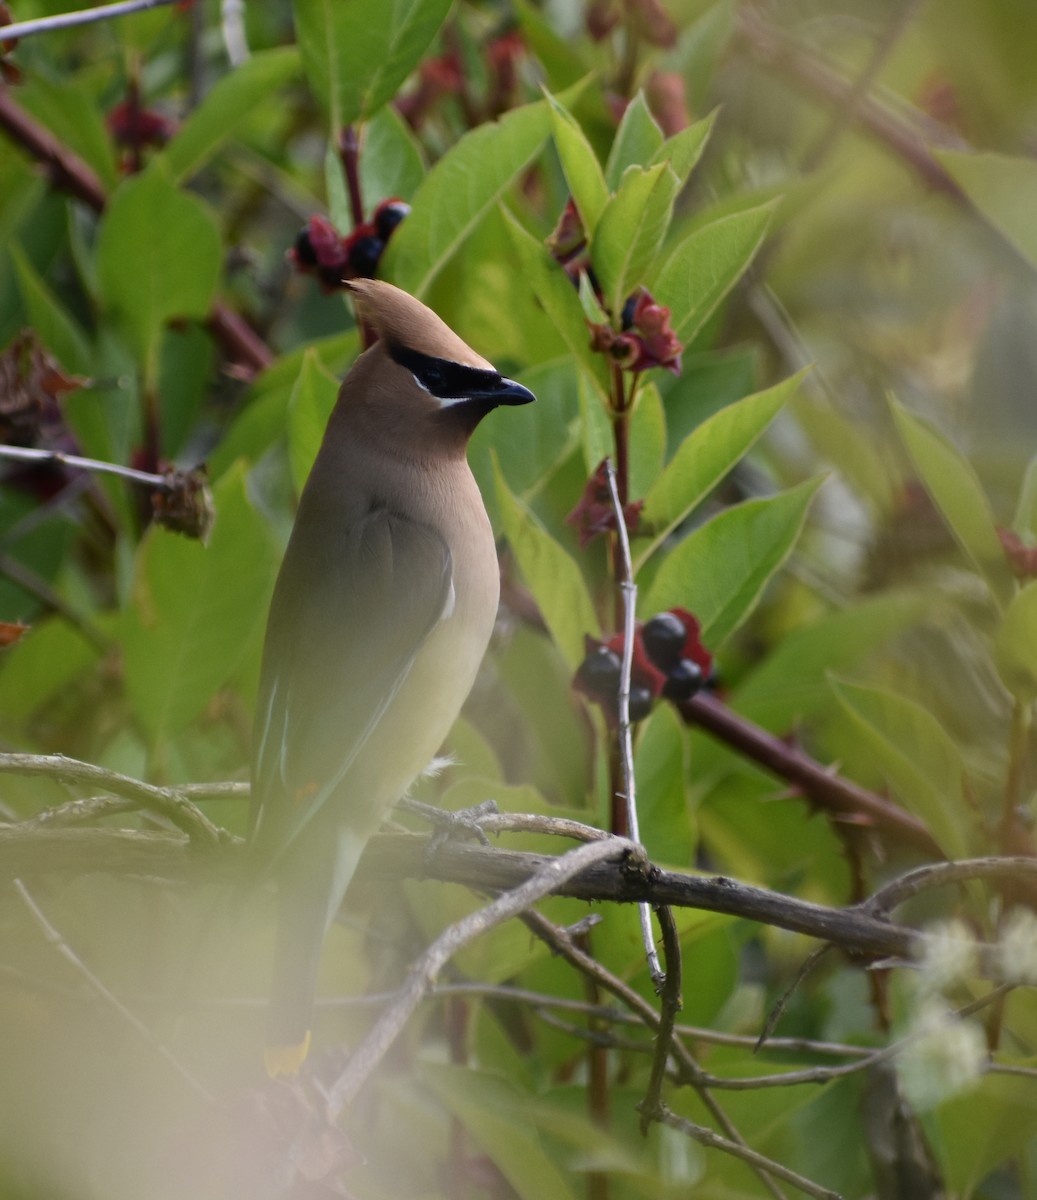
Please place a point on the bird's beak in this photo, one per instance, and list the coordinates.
(510, 392)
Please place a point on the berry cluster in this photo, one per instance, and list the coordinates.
(646, 339)
(669, 660)
(320, 250)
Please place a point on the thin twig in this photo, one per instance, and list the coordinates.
(942, 874)
(55, 939)
(624, 733)
(775, 1015)
(170, 802)
(713, 1141)
(671, 1006)
(60, 459)
(86, 16)
(423, 972)
(562, 944)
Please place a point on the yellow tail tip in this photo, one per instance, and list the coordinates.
(286, 1060)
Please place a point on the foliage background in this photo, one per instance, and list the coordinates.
(882, 234)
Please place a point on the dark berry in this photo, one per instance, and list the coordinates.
(598, 674)
(331, 277)
(640, 702)
(364, 254)
(627, 319)
(663, 638)
(388, 215)
(683, 680)
(305, 255)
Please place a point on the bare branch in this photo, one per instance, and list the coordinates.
(423, 973)
(671, 1006)
(170, 802)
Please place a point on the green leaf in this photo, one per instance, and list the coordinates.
(683, 151)
(1015, 645)
(707, 264)
(918, 757)
(704, 457)
(560, 301)
(719, 571)
(309, 408)
(47, 661)
(637, 140)
(354, 58)
(647, 441)
(1024, 522)
(562, 60)
(158, 257)
(195, 610)
(1001, 187)
(582, 170)
(631, 229)
(49, 318)
(792, 682)
(661, 771)
(957, 492)
(551, 574)
(231, 100)
(71, 112)
(391, 160)
(459, 190)
(495, 1113)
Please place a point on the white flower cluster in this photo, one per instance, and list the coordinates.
(942, 1058)
(948, 957)
(1016, 953)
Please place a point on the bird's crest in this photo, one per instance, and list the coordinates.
(403, 321)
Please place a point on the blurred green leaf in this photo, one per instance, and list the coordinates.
(1015, 645)
(309, 408)
(158, 257)
(465, 183)
(582, 170)
(1001, 187)
(493, 1111)
(52, 322)
(355, 59)
(704, 458)
(992, 1122)
(562, 60)
(231, 100)
(636, 142)
(48, 659)
(719, 571)
(630, 231)
(193, 611)
(391, 159)
(918, 757)
(706, 266)
(954, 486)
(554, 578)
(661, 770)
(72, 114)
(1024, 522)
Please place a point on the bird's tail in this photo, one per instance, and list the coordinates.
(308, 902)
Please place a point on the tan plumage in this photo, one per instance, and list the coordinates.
(382, 612)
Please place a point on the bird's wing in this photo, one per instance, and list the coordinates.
(346, 622)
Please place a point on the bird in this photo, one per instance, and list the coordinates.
(381, 613)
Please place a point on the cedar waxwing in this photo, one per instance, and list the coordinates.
(382, 611)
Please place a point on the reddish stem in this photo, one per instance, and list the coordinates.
(349, 151)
